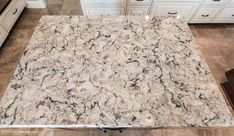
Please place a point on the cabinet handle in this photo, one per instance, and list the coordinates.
(15, 11)
(139, 0)
(233, 15)
(172, 13)
(205, 15)
(216, 0)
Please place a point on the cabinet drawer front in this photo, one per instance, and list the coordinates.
(205, 15)
(231, 2)
(3, 35)
(104, 1)
(140, 2)
(173, 9)
(10, 18)
(225, 16)
(105, 11)
(215, 2)
(138, 11)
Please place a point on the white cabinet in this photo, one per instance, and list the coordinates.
(95, 11)
(185, 9)
(36, 3)
(232, 2)
(12, 15)
(104, 7)
(138, 7)
(9, 17)
(115, 7)
(214, 2)
(194, 11)
(138, 10)
(140, 2)
(3, 35)
(104, 1)
(225, 16)
(205, 15)
(215, 11)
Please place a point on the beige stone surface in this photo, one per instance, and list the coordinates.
(219, 36)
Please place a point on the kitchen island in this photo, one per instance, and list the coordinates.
(113, 72)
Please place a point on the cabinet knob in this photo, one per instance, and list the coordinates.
(15, 11)
(233, 15)
(205, 15)
(172, 13)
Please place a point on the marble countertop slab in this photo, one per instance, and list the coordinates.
(125, 71)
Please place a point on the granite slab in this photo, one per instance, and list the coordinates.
(126, 71)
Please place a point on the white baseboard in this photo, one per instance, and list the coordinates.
(36, 4)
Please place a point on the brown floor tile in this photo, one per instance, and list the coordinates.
(180, 132)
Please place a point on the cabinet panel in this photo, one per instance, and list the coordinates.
(225, 16)
(104, 11)
(138, 11)
(214, 2)
(231, 3)
(140, 2)
(3, 35)
(10, 18)
(104, 1)
(205, 15)
(185, 9)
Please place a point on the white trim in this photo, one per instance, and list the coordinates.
(36, 4)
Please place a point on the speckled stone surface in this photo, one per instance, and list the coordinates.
(125, 71)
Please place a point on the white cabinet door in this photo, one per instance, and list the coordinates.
(104, 11)
(12, 15)
(138, 11)
(225, 16)
(104, 1)
(214, 2)
(3, 35)
(185, 9)
(140, 2)
(103, 7)
(205, 15)
(231, 3)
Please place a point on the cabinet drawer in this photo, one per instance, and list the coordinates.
(225, 16)
(205, 15)
(214, 2)
(231, 3)
(104, 1)
(138, 11)
(104, 11)
(140, 2)
(11, 16)
(3, 35)
(185, 9)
